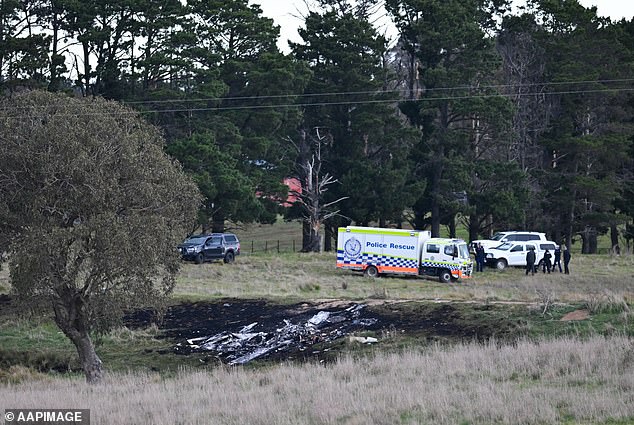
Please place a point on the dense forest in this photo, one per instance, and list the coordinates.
(474, 116)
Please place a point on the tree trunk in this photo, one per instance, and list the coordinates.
(614, 239)
(435, 213)
(328, 234)
(589, 240)
(86, 50)
(314, 238)
(473, 227)
(90, 362)
(305, 236)
(452, 227)
(218, 225)
(593, 241)
(71, 319)
(54, 78)
(571, 213)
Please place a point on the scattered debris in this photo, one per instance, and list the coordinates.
(248, 343)
(363, 339)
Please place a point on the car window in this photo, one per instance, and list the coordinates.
(433, 249)
(195, 241)
(505, 246)
(497, 236)
(511, 238)
(517, 248)
(532, 237)
(530, 246)
(230, 238)
(214, 240)
(545, 246)
(449, 249)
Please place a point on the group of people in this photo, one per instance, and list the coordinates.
(547, 264)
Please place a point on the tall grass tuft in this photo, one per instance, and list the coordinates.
(606, 302)
(558, 381)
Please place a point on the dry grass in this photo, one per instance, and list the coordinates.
(308, 276)
(528, 383)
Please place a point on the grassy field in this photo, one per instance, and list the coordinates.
(544, 382)
(593, 279)
(540, 370)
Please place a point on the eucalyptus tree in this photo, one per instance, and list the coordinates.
(91, 209)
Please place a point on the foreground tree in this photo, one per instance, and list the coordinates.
(91, 208)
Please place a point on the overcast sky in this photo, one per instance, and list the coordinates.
(287, 14)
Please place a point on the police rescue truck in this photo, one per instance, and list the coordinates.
(410, 252)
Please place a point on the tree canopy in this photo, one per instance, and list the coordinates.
(91, 210)
(477, 114)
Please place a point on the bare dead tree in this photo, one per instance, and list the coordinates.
(314, 184)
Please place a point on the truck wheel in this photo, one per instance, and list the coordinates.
(501, 264)
(199, 258)
(445, 276)
(229, 257)
(371, 271)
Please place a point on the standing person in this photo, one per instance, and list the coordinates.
(566, 258)
(481, 257)
(530, 261)
(477, 257)
(557, 258)
(546, 263)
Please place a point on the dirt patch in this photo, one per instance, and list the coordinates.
(576, 315)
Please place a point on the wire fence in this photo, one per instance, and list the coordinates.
(270, 246)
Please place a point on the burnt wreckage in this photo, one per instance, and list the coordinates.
(249, 342)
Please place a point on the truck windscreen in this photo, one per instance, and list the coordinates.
(463, 250)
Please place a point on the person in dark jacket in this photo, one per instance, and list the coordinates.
(530, 261)
(480, 257)
(546, 263)
(566, 259)
(557, 258)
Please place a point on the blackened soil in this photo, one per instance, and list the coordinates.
(183, 321)
(426, 321)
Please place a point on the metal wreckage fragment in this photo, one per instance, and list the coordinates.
(247, 344)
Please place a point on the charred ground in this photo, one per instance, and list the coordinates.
(424, 322)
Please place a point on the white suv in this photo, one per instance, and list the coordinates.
(511, 236)
(514, 253)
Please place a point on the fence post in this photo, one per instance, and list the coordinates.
(293, 245)
(278, 246)
(251, 247)
(266, 246)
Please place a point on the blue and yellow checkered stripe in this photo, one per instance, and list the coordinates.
(450, 266)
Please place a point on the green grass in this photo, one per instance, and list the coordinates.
(505, 304)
